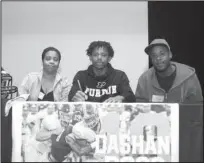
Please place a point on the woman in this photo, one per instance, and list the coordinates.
(47, 85)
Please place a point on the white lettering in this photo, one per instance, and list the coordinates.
(114, 89)
(150, 145)
(91, 92)
(101, 144)
(104, 91)
(136, 144)
(113, 144)
(124, 144)
(163, 144)
(98, 93)
(86, 91)
(109, 90)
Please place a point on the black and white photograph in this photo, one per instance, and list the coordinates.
(105, 81)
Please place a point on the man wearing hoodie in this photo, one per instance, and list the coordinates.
(167, 81)
(101, 82)
(172, 82)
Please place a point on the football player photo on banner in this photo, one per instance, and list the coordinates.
(95, 132)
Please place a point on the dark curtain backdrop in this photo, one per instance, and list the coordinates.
(182, 25)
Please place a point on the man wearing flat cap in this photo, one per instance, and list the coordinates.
(167, 81)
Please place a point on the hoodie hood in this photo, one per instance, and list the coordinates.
(183, 72)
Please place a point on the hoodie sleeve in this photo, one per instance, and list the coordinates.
(125, 89)
(140, 94)
(193, 91)
(75, 86)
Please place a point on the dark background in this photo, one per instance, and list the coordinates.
(182, 25)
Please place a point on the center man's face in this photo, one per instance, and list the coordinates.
(100, 57)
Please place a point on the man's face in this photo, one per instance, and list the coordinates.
(160, 57)
(100, 57)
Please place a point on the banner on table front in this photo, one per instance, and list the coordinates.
(74, 132)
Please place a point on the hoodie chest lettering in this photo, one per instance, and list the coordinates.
(100, 92)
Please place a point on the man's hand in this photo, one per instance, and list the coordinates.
(79, 96)
(116, 99)
(161, 108)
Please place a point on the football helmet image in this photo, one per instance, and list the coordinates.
(91, 116)
(77, 116)
(7, 89)
(65, 115)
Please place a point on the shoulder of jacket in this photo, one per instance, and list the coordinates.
(147, 74)
(119, 72)
(33, 75)
(81, 72)
(184, 71)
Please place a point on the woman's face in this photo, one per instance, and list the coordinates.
(51, 62)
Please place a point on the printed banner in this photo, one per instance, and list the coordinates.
(95, 132)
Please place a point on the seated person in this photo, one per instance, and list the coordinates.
(167, 81)
(101, 82)
(47, 85)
